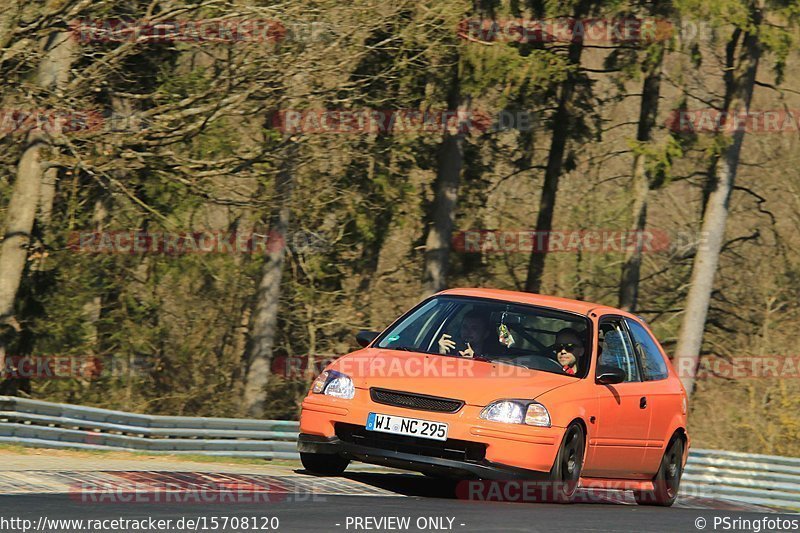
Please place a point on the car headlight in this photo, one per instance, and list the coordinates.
(517, 412)
(333, 383)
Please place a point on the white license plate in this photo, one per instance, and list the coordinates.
(413, 427)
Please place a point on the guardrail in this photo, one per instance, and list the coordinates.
(749, 478)
(769, 480)
(54, 425)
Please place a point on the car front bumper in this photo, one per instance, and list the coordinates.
(482, 469)
(508, 451)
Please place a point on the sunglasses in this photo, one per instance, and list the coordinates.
(565, 346)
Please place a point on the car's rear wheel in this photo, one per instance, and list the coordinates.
(667, 480)
(566, 471)
(323, 464)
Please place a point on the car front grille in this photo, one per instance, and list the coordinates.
(454, 449)
(415, 401)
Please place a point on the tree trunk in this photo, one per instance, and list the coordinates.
(443, 211)
(555, 161)
(740, 90)
(25, 197)
(54, 74)
(648, 112)
(264, 320)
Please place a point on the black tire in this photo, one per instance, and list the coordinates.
(566, 472)
(323, 464)
(667, 480)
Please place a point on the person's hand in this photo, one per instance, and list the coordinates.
(446, 344)
(469, 352)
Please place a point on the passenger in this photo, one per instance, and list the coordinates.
(569, 348)
(475, 333)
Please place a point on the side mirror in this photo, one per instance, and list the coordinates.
(363, 338)
(609, 375)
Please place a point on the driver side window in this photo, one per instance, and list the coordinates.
(617, 349)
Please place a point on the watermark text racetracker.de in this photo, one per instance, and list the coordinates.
(212, 30)
(46, 524)
(566, 30)
(367, 121)
(739, 367)
(716, 121)
(50, 367)
(589, 491)
(530, 241)
(708, 367)
(193, 242)
(196, 489)
(21, 121)
(598, 30)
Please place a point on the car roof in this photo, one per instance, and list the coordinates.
(553, 302)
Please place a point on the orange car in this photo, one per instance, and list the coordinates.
(491, 384)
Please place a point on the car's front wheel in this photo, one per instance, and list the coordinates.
(667, 480)
(323, 464)
(566, 472)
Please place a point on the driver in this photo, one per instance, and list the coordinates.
(569, 348)
(475, 332)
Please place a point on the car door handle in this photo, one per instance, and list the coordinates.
(643, 402)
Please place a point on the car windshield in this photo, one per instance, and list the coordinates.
(500, 332)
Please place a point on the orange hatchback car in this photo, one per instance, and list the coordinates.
(490, 384)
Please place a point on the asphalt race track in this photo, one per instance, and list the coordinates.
(336, 504)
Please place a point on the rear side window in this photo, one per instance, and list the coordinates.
(653, 363)
(616, 349)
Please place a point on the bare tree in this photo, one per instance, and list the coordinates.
(561, 130)
(264, 318)
(739, 91)
(52, 75)
(648, 112)
(443, 210)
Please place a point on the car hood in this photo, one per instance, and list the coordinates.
(474, 382)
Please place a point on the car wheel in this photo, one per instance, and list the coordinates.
(323, 464)
(667, 480)
(566, 471)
